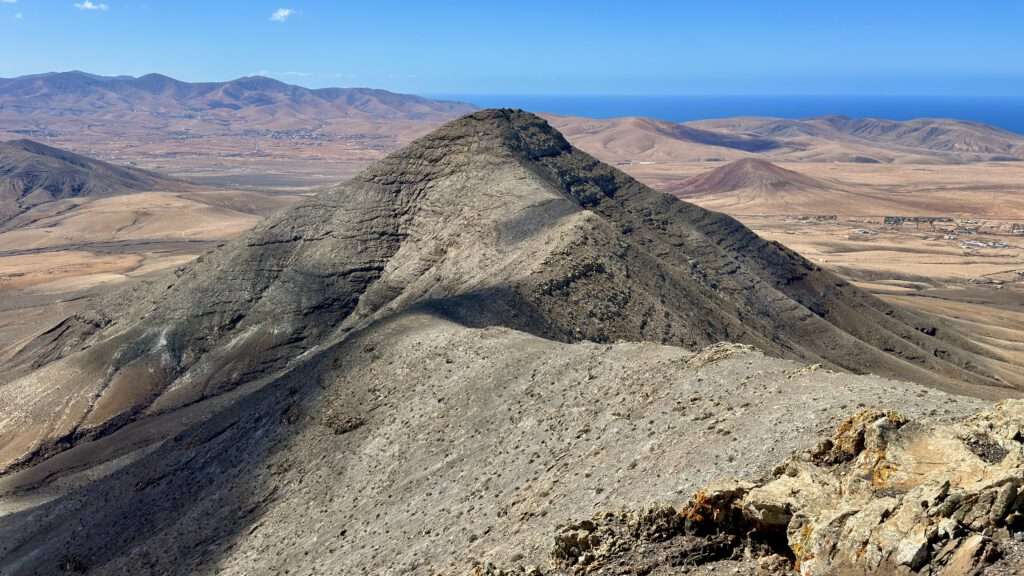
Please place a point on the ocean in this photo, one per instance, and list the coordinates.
(1003, 112)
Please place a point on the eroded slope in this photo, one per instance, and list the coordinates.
(419, 445)
(32, 173)
(492, 220)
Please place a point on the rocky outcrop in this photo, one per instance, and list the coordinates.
(887, 495)
(883, 495)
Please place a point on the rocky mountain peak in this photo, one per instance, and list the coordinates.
(522, 133)
(466, 324)
(492, 220)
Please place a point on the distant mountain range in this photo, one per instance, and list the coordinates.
(248, 130)
(79, 94)
(633, 139)
(824, 139)
(937, 136)
(259, 132)
(69, 104)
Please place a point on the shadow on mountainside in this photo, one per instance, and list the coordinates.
(420, 434)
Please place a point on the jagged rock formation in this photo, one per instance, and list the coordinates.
(881, 496)
(32, 173)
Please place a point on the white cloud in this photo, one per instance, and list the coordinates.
(8, 1)
(282, 14)
(89, 5)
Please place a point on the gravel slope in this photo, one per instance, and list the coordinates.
(421, 445)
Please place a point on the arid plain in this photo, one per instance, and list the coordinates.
(969, 268)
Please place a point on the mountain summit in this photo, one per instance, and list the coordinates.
(493, 219)
(405, 335)
(748, 173)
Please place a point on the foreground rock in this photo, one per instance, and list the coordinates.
(883, 495)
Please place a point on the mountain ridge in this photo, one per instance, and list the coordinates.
(967, 140)
(626, 140)
(577, 251)
(479, 323)
(78, 93)
(32, 173)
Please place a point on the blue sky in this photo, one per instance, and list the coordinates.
(531, 47)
